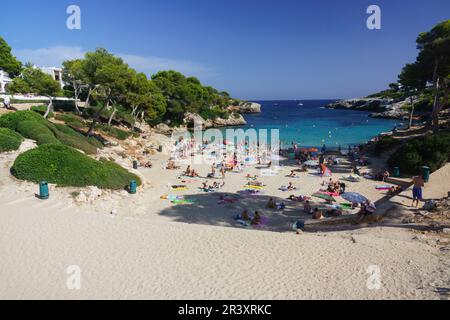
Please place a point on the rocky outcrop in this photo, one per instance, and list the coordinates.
(375, 105)
(195, 121)
(380, 108)
(249, 107)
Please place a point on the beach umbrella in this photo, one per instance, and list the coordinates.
(324, 196)
(353, 197)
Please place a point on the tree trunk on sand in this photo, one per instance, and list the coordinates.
(49, 107)
(411, 115)
(111, 117)
(96, 118)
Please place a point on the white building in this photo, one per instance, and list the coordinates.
(56, 74)
(4, 80)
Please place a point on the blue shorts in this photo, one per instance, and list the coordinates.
(417, 193)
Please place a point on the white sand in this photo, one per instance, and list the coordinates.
(147, 251)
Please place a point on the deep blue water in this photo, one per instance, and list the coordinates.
(311, 125)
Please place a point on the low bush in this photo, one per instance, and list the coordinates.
(71, 120)
(37, 131)
(385, 143)
(11, 120)
(432, 151)
(114, 132)
(65, 166)
(33, 126)
(9, 140)
(42, 110)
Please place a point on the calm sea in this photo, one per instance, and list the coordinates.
(312, 125)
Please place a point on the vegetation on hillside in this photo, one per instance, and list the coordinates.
(432, 151)
(9, 140)
(33, 126)
(65, 166)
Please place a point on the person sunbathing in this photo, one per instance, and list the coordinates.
(171, 165)
(188, 171)
(307, 207)
(255, 184)
(147, 164)
(317, 214)
(193, 173)
(291, 187)
(292, 174)
(271, 204)
(243, 216)
(394, 190)
(256, 218)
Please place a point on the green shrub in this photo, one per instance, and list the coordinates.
(11, 120)
(42, 110)
(73, 139)
(31, 125)
(384, 144)
(432, 151)
(38, 131)
(65, 166)
(114, 132)
(9, 140)
(71, 120)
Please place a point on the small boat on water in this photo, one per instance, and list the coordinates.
(300, 104)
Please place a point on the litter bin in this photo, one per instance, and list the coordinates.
(135, 165)
(133, 187)
(43, 190)
(160, 148)
(396, 172)
(426, 173)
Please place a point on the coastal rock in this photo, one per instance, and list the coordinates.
(235, 119)
(163, 128)
(381, 108)
(250, 107)
(362, 104)
(195, 121)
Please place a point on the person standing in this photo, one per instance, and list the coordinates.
(418, 183)
(7, 102)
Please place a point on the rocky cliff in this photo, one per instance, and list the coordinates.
(246, 107)
(381, 108)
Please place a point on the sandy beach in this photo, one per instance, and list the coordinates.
(152, 249)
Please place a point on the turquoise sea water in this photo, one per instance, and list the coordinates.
(312, 125)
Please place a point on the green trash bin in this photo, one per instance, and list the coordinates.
(426, 173)
(396, 172)
(43, 190)
(133, 187)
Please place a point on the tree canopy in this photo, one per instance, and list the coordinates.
(33, 80)
(8, 62)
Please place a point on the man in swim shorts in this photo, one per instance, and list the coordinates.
(417, 189)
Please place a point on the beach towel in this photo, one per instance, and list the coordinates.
(346, 206)
(383, 187)
(180, 189)
(183, 201)
(333, 194)
(253, 187)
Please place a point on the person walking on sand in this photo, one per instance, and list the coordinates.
(418, 183)
(222, 171)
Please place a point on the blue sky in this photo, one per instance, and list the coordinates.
(254, 49)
